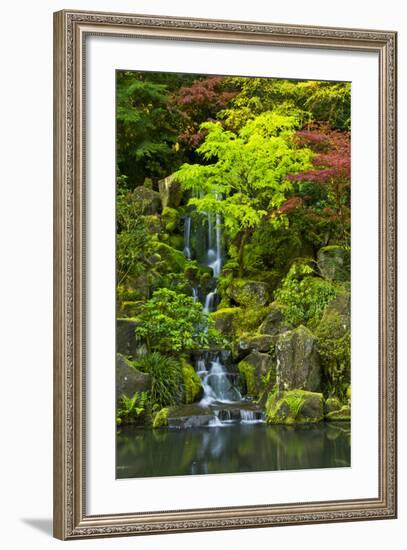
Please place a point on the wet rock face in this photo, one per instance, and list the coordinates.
(334, 263)
(129, 380)
(298, 363)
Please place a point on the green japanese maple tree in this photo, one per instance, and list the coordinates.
(243, 175)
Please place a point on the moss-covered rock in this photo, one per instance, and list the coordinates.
(334, 263)
(255, 369)
(298, 365)
(161, 418)
(243, 345)
(332, 404)
(274, 322)
(333, 345)
(249, 293)
(176, 241)
(148, 201)
(294, 407)
(192, 383)
(171, 219)
(129, 380)
(224, 320)
(174, 259)
(170, 192)
(342, 414)
(153, 224)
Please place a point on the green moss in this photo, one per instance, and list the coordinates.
(192, 383)
(248, 372)
(170, 218)
(174, 259)
(333, 345)
(224, 320)
(176, 241)
(249, 293)
(332, 404)
(161, 418)
(342, 414)
(249, 319)
(294, 407)
(130, 309)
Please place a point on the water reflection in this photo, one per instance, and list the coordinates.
(235, 448)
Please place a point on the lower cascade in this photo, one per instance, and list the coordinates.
(221, 398)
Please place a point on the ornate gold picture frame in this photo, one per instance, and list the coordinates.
(71, 518)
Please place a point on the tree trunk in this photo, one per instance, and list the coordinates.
(243, 241)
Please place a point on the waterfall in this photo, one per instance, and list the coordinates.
(210, 301)
(215, 255)
(217, 383)
(187, 237)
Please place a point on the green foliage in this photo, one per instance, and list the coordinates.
(246, 177)
(192, 383)
(248, 373)
(132, 409)
(310, 100)
(304, 296)
(161, 418)
(294, 407)
(333, 341)
(146, 129)
(166, 378)
(133, 244)
(173, 322)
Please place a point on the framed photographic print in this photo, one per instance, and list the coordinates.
(225, 274)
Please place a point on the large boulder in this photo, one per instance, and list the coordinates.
(170, 192)
(126, 341)
(294, 407)
(274, 322)
(334, 263)
(149, 201)
(247, 343)
(249, 293)
(253, 369)
(224, 319)
(298, 365)
(129, 380)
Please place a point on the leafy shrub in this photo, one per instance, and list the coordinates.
(172, 322)
(303, 295)
(132, 409)
(166, 379)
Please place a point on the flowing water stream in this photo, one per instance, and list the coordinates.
(219, 380)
